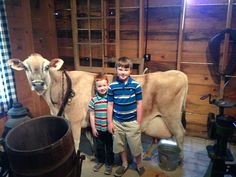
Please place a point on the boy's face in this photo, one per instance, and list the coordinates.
(101, 87)
(123, 73)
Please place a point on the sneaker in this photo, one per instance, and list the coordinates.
(120, 171)
(97, 167)
(108, 170)
(141, 171)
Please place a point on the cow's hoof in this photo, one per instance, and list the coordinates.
(181, 162)
(90, 157)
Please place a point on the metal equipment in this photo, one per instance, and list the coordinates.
(220, 128)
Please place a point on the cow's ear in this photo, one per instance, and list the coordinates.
(56, 63)
(16, 64)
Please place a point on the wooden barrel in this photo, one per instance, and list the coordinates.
(41, 147)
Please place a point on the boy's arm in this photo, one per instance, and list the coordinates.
(109, 117)
(92, 122)
(139, 111)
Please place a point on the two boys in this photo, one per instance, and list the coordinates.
(124, 115)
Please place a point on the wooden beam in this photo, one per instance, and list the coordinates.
(74, 24)
(103, 16)
(89, 32)
(117, 29)
(104, 33)
(181, 32)
(141, 36)
(225, 48)
(52, 28)
(97, 69)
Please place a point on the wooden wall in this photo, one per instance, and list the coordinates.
(38, 31)
(32, 29)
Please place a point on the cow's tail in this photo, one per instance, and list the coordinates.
(183, 118)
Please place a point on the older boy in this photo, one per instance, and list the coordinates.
(124, 114)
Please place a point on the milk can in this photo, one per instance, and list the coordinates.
(16, 115)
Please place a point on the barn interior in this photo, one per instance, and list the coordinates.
(197, 37)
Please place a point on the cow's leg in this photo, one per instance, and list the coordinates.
(177, 130)
(151, 148)
(157, 129)
(77, 138)
(89, 136)
(76, 132)
(180, 139)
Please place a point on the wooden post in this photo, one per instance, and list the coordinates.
(74, 25)
(89, 33)
(52, 38)
(224, 59)
(103, 20)
(141, 36)
(181, 32)
(104, 33)
(117, 29)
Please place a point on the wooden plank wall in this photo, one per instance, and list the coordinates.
(34, 32)
(202, 22)
(204, 18)
(64, 32)
(21, 38)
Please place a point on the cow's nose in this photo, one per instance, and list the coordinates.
(37, 83)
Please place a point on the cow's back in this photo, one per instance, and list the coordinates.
(163, 92)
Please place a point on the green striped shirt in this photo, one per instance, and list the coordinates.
(98, 104)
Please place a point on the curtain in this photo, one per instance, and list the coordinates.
(7, 82)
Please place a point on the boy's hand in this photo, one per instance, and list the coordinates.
(111, 128)
(95, 133)
(139, 122)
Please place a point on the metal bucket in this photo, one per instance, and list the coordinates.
(168, 155)
(41, 147)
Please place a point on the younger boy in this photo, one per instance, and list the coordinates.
(124, 114)
(98, 120)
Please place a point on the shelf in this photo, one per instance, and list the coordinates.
(87, 29)
(95, 43)
(216, 4)
(110, 17)
(96, 33)
(89, 18)
(134, 7)
(161, 6)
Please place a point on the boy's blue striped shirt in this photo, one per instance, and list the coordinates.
(125, 97)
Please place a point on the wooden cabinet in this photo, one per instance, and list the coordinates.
(90, 33)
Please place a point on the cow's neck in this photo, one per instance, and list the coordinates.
(53, 95)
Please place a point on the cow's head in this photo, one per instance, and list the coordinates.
(37, 70)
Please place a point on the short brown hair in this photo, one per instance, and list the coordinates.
(100, 77)
(124, 62)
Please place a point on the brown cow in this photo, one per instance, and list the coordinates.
(164, 96)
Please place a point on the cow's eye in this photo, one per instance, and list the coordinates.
(25, 68)
(46, 68)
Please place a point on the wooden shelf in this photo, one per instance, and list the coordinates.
(89, 29)
(161, 6)
(96, 34)
(91, 18)
(215, 4)
(94, 43)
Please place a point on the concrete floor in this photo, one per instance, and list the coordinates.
(194, 165)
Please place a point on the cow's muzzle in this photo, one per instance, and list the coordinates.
(38, 85)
